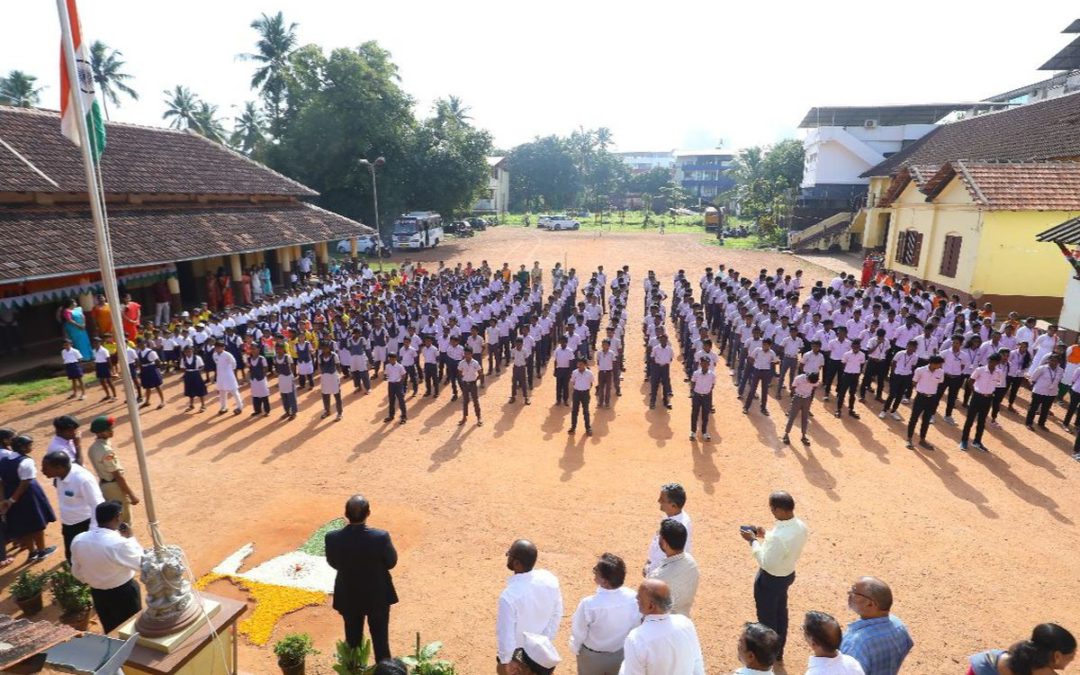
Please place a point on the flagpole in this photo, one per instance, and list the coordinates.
(108, 271)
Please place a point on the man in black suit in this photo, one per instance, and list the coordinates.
(363, 558)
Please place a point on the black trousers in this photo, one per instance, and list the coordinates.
(431, 379)
(396, 394)
(1040, 405)
(378, 621)
(832, 369)
(953, 383)
(337, 402)
(412, 373)
(661, 376)
(70, 532)
(581, 402)
(846, 385)
(261, 403)
(898, 386)
(469, 392)
(1074, 405)
(976, 414)
(519, 379)
(770, 599)
(116, 605)
(699, 407)
(562, 385)
(923, 406)
(874, 377)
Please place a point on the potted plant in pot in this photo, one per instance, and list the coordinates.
(291, 651)
(353, 660)
(27, 591)
(73, 596)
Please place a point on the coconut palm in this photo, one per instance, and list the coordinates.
(181, 107)
(603, 138)
(108, 74)
(207, 122)
(248, 132)
(18, 89)
(458, 110)
(275, 44)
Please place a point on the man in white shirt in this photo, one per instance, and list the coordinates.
(1044, 381)
(106, 559)
(530, 603)
(678, 570)
(823, 635)
(926, 382)
(985, 381)
(77, 492)
(581, 380)
(395, 374)
(757, 650)
(776, 553)
(470, 369)
(664, 642)
(602, 621)
(802, 395)
(661, 356)
(672, 499)
(605, 365)
(701, 388)
(761, 365)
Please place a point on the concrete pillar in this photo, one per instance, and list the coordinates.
(285, 259)
(354, 253)
(236, 271)
(322, 257)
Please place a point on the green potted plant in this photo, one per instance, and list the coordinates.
(423, 661)
(353, 660)
(292, 651)
(27, 591)
(73, 596)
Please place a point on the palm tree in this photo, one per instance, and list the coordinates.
(248, 132)
(275, 44)
(18, 89)
(603, 138)
(207, 122)
(458, 110)
(181, 108)
(107, 65)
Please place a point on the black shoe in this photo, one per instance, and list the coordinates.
(588, 431)
(385, 419)
(765, 412)
(785, 440)
(572, 430)
(854, 414)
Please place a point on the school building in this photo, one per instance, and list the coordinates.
(180, 208)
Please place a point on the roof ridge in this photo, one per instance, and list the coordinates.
(308, 191)
(970, 181)
(49, 112)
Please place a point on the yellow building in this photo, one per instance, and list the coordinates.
(970, 228)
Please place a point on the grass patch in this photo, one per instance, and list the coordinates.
(316, 543)
(38, 384)
(750, 243)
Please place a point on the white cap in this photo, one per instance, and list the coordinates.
(539, 649)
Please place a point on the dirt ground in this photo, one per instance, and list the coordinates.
(977, 547)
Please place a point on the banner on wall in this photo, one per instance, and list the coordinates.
(131, 280)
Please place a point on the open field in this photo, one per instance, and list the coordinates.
(978, 548)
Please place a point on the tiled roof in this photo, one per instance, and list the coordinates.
(137, 159)
(48, 242)
(1046, 130)
(23, 638)
(1022, 186)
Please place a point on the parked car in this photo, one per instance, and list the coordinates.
(478, 224)
(559, 222)
(492, 222)
(368, 245)
(460, 228)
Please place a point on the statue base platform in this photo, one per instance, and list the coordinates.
(167, 643)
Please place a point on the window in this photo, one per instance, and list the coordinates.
(908, 248)
(950, 256)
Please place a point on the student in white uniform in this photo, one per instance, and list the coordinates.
(329, 383)
(395, 375)
(225, 368)
(581, 380)
(71, 358)
(283, 366)
(802, 395)
(260, 388)
(103, 370)
(702, 382)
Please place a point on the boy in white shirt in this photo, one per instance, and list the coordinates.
(103, 370)
(71, 357)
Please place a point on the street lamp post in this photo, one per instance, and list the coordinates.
(371, 166)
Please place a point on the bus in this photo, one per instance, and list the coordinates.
(418, 230)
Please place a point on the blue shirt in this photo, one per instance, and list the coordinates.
(879, 645)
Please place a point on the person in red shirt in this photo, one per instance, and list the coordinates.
(132, 317)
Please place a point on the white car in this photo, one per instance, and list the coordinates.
(365, 245)
(560, 222)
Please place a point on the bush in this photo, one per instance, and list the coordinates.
(353, 660)
(28, 585)
(423, 661)
(292, 649)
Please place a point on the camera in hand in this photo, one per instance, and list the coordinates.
(748, 528)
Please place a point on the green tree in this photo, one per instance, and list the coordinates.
(543, 174)
(272, 51)
(449, 158)
(247, 133)
(208, 123)
(181, 107)
(17, 89)
(109, 74)
(648, 182)
(453, 108)
(765, 178)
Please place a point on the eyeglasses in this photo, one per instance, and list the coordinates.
(852, 591)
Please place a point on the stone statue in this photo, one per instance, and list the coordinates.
(170, 604)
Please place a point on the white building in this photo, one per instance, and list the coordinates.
(643, 162)
(703, 174)
(497, 197)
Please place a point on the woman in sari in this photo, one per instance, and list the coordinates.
(75, 329)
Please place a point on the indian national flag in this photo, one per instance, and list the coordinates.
(84, 89)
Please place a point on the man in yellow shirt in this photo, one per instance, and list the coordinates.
(110, 472)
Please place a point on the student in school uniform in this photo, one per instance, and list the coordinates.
(407, 356)
(305, 362)
(581, 381)
(519, 363)
(329, 381)
(762, 366)
(149, 375)
(225, 381)
(284, 365)
(454, 353)
(984, 382)
(103, 370)
(605, 366)
(358, 362)
(925, 382)
(901, 372)
(802, 396)
(470, 370)
(395, 375)
(1044, 381)
(260, 387)
(563, 362)
(851, 365)
(661, 355)
(71, 358)
(877, 365)
(194, 386)
(702, 382)
(429, 353)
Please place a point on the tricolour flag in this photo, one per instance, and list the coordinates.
(84, 89)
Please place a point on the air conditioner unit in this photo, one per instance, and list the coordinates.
(870, 124)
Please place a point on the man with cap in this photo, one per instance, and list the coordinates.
(77, 493)
(106, 559)
(66, 438)
(664, 642)
(530, 603)
(114, 485)
(536, 657)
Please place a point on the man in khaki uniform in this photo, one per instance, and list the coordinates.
(107, 466)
